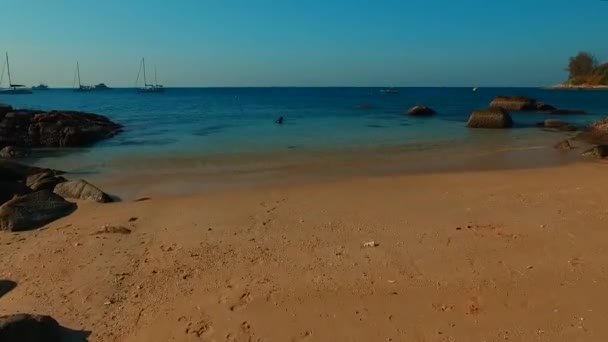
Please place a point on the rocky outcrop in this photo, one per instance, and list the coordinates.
(8, 190)
(11, 171)
(33, 211)
(4, 108)
(29, 328)
(490, 118)
(81, 190)
(599, 152)
(30, 128)
(526, 104)
(558, 125)
(597, 133)
(10, 152)
(421, 111)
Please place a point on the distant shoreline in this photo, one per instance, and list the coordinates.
(577, 87)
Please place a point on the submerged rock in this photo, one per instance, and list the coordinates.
(421, 111)
(29, 328)
(81, 190)
(490, 118)
(558, 124)
(599, 151)
(33, 211)
(28, 128)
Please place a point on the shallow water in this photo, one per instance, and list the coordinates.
(231, 131)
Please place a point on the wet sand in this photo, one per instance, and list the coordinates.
(470, 256)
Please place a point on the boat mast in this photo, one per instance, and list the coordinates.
(155, 79)
(78, 73)
(2, 76)
(143, 61)
(8, 68)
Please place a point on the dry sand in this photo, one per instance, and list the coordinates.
(518, 255)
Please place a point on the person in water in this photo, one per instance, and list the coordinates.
(280, 120)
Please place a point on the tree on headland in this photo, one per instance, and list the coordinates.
(581, 66)
(585, 70)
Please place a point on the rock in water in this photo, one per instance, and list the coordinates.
(33, 211)
(490, 118)
(514, 103)
(28, 128)
(81, 190)
(10, 152)
(8, 190)
(421, 111)
(44, 181)
(564, 145)
(29, 328)
(600, 152)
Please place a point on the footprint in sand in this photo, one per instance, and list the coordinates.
(245, 299)
(200, 329)
(305, 336)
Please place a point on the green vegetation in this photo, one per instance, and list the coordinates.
(585, 70)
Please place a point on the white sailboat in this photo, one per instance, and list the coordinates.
(80, 86)
(13, 89)
(148, 88)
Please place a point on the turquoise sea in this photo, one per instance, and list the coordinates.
(229, 135)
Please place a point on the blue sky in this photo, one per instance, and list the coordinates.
(302, 42)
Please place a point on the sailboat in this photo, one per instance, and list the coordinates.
(13, 89)
(148, 88)
(41, 86)
(391, 90)
(80, 86)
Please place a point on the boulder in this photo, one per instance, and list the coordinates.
(564, 145)
(33, 211)
(599, 151)
(490, 118)
(14, 171)
(81, 190)
(9, 189)
(558, 124)
(515, 103)
(10, 152)
(421, 111)
(46, 180)
(29, 328)
(28, 128)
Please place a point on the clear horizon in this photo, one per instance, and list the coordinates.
(430, 43)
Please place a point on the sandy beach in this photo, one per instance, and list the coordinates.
(472, 256)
